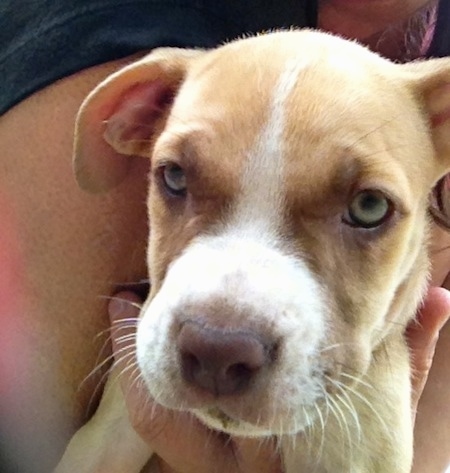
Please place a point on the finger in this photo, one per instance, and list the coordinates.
(422, 336)
(440, 254)
(446, 282)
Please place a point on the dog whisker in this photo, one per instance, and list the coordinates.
(348, 403)
(126, 321)
(126, 338)
(322, 432)
(369, 405)
(141, 282)
(357, 380)
(338, 419)
(118, 325)
(321, 449)
(97, 368)
(122, 357)
(335, 345)
(308, 433)
(99, 386)
(136, 376)
(128, 363)
(102, 333)
(122, 300)
(98, 365)
(123, 352)
(106, 342)
(347, 429)
(106, 360)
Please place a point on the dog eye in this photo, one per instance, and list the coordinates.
(174, 179)
(368, 209)
(440, 202)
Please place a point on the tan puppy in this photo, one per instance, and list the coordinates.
(290, 176)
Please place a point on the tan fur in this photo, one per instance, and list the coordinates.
(352, 122)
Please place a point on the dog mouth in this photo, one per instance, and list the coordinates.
(216, 419)
(224, 419)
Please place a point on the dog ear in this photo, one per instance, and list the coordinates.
(122, 115)
(431, 79)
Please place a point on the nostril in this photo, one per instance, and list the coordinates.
(190, 365)
(238, 370)
(239, 373)
(197, 371)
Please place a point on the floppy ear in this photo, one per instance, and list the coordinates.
(431, 80)
(121, 116)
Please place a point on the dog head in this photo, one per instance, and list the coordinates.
(289, 185)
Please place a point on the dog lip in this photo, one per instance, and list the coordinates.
(222, 417)
(215, 415)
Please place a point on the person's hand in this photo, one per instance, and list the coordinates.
(184, 445)
(181, 442)
(423, 333)
(422, 337)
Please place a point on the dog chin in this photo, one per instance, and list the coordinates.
(217, 419)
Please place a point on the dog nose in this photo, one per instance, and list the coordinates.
(220, 361)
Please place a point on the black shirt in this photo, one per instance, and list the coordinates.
(44, 40)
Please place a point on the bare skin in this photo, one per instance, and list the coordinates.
(56, 237)
(432, 428)
(67, 248)
(200, 450)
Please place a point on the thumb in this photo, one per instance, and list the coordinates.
(423, 334)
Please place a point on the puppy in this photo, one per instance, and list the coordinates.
(289, 184)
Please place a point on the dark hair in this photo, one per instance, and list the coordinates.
(408, 39)
(440, 202)
(413, 39)
(421, 27)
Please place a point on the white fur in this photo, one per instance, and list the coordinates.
(261, 202)
(279, 295)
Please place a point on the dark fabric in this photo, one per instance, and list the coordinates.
(440, 46)
(44, 40)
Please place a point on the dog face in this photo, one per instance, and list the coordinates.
(289, 189)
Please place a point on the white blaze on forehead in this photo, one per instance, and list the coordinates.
(260, 203)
